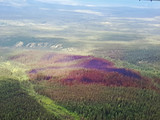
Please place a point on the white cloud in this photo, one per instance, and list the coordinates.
(107, 23)
(144, 19)
(84, 11)
(46, 9)
(156, 25)
(65, 2)
(21, 3)
(156, 18)
(89, 12)
(15, 3)
(90, 5)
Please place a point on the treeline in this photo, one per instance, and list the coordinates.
(96, 102)
(120, 110)
(16, 104)
(142, 55)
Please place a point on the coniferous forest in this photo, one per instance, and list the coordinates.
(79, 60)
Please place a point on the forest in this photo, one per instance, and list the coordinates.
(62, 86)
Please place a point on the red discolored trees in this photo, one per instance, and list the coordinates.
(93, 76)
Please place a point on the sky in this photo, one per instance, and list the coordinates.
(106, 2)
(129, 3)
